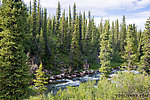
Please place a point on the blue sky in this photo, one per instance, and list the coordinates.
(136, 11)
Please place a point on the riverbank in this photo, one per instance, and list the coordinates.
(74, 74)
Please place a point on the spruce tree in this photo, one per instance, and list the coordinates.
(122, 35)
(145, 59)
(41, 44)
(117, 42)
(105, 50)
(29, 18)
(139, 41)
(112, 40)
(94, 43)
(63, 33)
(14, 76)
(33, 30)
(74, 12)
(87, 45)
(84, 30)
(101, 27)
(117, 34)
(58, 13)
(74, 16)
(80, 31)
(49, 28)
(75, 53)
(84, 26)
(53, 25)
(69, 30)
(38, 18)
(47, 51)
(130, 48)
(40, 81)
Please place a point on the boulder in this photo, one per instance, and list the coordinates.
(91, 71)
(58, 76)
(50, 81)
(69, 77)
(77, 74)
(52, 78)
(62, 75)
(82, 74)
(76, 71)
(73, 76)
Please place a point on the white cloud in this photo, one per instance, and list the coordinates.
(102, 4)
(141, 4)
(139, 19)
(100, 8)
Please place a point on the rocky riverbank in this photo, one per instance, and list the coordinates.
(74, 74)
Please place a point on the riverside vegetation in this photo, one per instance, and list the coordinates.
(125, 86)
(28, 39)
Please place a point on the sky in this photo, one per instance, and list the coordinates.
(136, 11)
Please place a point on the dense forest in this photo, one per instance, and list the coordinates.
(29, 38)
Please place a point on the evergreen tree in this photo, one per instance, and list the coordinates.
(74, 16)
(145, 59)
(87, 45)
(14, 76)
(75, 53)
(101, 27)
(29, 18)
(84, 30)
(89, 29)
(117, 53)
(70, 18)
(112, 40)
(40, 81)
(41, 44)
(84, 25)
(139, 41)
(80, 30)
(49, 28)
(69, 32)
(74, 12)
(38, 18)
(63, 33)
(122, 35)
(105, 50)
(135, 35)
(58, 14)
(117, 34)
(53, 25)
(130, 49)
(94, 43)
(34, 47)
(47, 50)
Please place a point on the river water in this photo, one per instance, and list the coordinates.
(63, 83)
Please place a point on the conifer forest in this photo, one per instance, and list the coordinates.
(36, 48)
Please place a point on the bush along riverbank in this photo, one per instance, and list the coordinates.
(124, 85)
